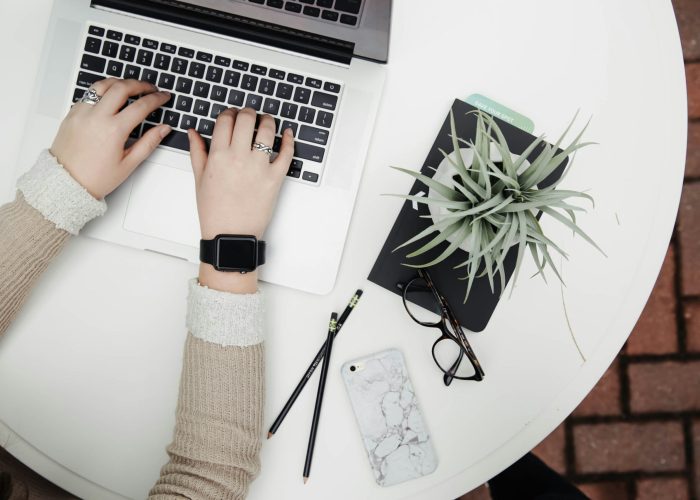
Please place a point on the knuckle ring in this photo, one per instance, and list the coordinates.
(91, 97)
(263, 148)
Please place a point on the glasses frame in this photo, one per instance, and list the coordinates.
(447, 317)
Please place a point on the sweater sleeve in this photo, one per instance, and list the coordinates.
(218, 431)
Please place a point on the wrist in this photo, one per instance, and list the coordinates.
(228, 281)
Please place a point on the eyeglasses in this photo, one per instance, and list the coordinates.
(452, 346)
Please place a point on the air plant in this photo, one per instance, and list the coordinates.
(493, 205)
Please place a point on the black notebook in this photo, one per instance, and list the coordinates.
(388, 270)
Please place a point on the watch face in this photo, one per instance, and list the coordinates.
(237, 253)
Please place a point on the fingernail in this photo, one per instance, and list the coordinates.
(165, 131)
(289, 131)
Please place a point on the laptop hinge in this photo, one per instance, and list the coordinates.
(236, 26)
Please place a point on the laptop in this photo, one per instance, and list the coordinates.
(315, 65)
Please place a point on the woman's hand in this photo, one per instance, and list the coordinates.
(237, 187)
(90, 143)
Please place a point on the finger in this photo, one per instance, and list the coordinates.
(198, 153)
(284, 158)
(137, 111)
(266, 132)
(243, 129)
(118, 92)
(143, 148)
(223, 130)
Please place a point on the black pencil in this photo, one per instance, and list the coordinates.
(312, 367)
(332, 328)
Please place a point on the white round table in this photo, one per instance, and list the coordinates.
(90, 369)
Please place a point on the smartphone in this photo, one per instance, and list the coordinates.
(396, 438)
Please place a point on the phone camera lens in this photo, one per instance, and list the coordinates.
(352, 368)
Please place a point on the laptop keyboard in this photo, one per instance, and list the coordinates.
(344, 12)
(203, 84)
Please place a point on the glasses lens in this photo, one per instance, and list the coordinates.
(447, 353)
(421, 303)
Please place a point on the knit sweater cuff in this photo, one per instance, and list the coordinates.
(225, 318)
(49, 188)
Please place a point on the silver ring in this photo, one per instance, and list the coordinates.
(90, 97)
(259, 146)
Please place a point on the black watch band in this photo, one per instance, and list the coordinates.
(233, 252)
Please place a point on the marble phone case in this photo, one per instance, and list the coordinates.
(395, 435)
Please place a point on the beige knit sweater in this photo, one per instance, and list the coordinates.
(215, 450)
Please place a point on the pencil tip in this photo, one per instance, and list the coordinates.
(269, 435)
(306, 479)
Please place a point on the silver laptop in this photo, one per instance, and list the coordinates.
(315, 65)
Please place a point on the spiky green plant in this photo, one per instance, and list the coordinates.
(496, 203)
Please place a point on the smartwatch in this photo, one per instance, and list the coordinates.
(239, 253)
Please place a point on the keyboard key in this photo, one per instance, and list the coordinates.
(114, 68)
(131, 71)
(307, 115)
(276, 73)
(313, 134)
(294, 172)
(308, 151)
(149, 44)
(86, 79)
(312, 11)
(166, 81)
(205, 56)
(266, 87)
(287, 124)
(110, 49)
(127, 53)
(240, 65)
(201, 89)
(219, 93)
(184, 52)
(150, 76)
(188, 122)
(302, 95)
(77, 94)
(167, 47)
(351, 6)
(183, 85)
(205, 127)
(179, 66)
(214, 74)
(324, 119)
(171, 118)
(201, 107)
(271, 106)
(197, 70)
(162, 61)
(277, 4)
(257, 1)
(177, 140)
(348, 19)
(183, 103)
(250, 82)
(231, 78)
(292, 7)
(294, 78)
(114, 35)
(132, 39)
(329, 15)
(331, 87)
(311, 2)
(93, 63)
(296, 164)
(222, 61)
(217, 109)
(144, 57)
(313, 82)
(93, 45)
(170, 102)
(326, 4)
(277, 144)
(96, 30)
(258, 70)
(254, 101)
(323, 100)
(289, 110)
(284, 91)
(235, 98)
(310, 176)
(155, 116)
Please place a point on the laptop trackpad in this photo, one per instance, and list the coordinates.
(162, 204)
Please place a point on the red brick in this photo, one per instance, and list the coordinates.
(551, 450)
(604, 399)
(692, 158)
(688, 17)
(605, 491)
(692, 82)
(696, 458)
(668, 386)
(627, 447)
(689, 231)
(655, 331)
(480, 493)
(657, 488)
(691, 312)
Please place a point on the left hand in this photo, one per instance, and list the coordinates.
(90, 143)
